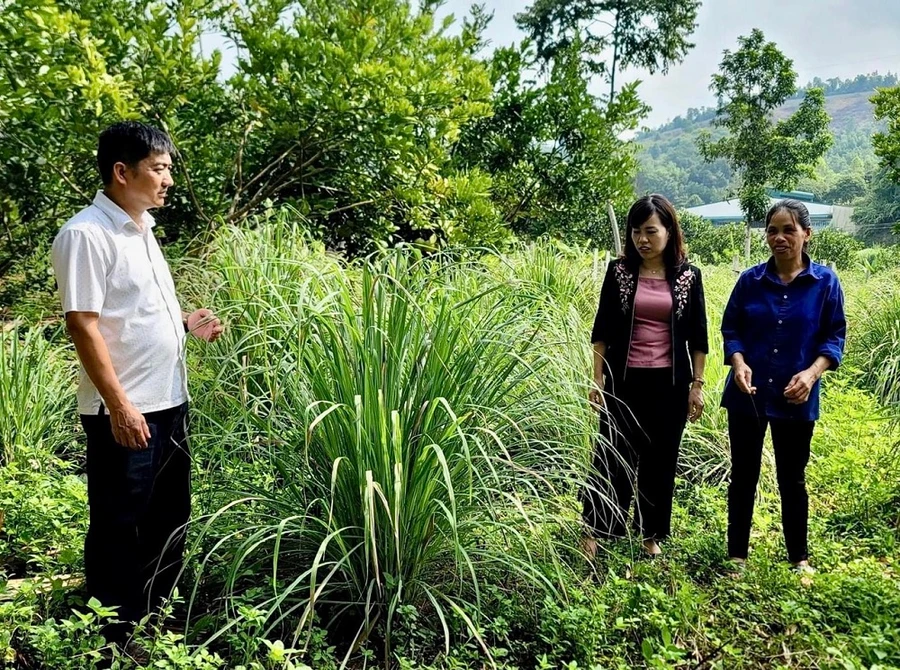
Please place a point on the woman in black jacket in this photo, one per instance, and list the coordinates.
(650, 345)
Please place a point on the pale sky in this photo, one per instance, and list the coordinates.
(825, 38)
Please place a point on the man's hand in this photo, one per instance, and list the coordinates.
(798, 389)
(129, 428)
(743, 377)
(128, 425)
(204, 325)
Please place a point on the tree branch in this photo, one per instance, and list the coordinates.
(22, 143)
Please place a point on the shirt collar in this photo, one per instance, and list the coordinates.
(117, 215)
(811, 269)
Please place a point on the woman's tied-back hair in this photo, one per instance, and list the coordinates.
(674, 254)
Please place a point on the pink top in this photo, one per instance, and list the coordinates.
(651, 341)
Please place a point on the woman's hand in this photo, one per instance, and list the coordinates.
(798, 389)
(695, 403)
(743, 377)
(595, 395)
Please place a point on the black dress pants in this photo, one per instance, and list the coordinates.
(791, 440)
(139, 504)
(640, 434)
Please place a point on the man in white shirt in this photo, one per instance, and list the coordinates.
(129, 332)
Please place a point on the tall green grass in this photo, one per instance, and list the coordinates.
(36, 392)
(415, 428)
(874, 345)
(704, 456)
(400, 430)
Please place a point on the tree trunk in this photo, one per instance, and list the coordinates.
(617, 242)
(615, 59)
(747, 240)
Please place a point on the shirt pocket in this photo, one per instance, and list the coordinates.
(132, 281)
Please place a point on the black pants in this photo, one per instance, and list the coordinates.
(139, 504)
(791, 440)
(641, 431)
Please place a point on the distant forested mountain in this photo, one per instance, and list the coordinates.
(671, 164)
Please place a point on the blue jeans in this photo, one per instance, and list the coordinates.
(139, 504)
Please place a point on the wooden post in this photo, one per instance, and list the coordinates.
(736, 264)
(617, 242)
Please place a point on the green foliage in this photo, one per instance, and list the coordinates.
(36, 392)
(499, 339)
(349, 110)
(74, 643)
(845, 189)
(877, 213)
(43, 508)
(69, 634)
(755, 80)
(875, 352)
(418, 447)
(887, 144)
(352, 109)
(671, 163)
(856, 468)
(712, 244)
(553, 149)
(834, 246)
(69, 70)
(704, 456)
(648, 34)
(379, 124)
(861, 83)
(880, 259)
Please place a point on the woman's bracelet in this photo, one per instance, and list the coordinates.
(698, 380)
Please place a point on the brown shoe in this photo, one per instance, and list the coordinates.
(651, 548)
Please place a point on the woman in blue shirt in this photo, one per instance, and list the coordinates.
(783, 328)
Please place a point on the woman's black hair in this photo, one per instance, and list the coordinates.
(674, 254)
(798, 213)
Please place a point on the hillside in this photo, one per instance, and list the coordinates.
(671, 164)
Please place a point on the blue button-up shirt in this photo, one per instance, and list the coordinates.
(781, 329)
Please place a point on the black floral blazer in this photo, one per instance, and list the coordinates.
(614, 323)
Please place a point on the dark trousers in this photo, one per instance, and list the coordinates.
(139, 504)
(641, 433)
(791, 440)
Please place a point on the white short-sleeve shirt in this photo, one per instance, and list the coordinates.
(105, 263)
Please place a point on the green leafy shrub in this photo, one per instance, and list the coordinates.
(719, 244)
(44, 509)
(880, 259)
(834, 246)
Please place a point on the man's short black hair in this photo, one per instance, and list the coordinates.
(129, 142)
